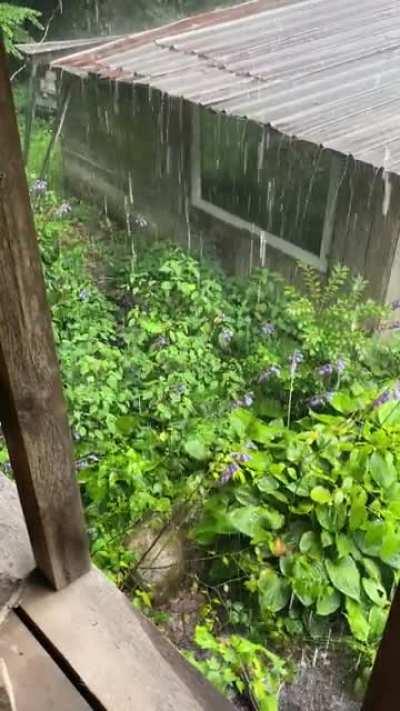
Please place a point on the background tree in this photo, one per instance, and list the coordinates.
(14, 23)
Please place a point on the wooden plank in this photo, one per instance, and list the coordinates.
(37, 683)
(30, 111)
(16, 559)
(32, 408)
(383, 692)
(121, 658)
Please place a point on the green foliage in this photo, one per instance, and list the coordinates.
(179, 384)
(13, 22)
(235, 664)
(319, 505)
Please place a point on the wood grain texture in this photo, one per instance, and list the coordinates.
(37, 683)
(120, 657)
(383, 691)
(32, 408)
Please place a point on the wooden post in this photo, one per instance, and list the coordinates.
(32, 408)
(56, 133)
(30, 110)
(383, 693)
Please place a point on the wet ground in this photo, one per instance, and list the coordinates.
(324, 683)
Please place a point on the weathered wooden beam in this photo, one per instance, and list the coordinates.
(30, 109)
(32, 408)
(383, 693)
(56, 132)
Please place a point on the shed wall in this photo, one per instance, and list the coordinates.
(131, 149)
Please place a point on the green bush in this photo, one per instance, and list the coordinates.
(262, 417)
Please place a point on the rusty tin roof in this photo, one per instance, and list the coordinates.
(327, 72)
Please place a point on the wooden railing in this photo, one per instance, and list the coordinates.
(32, 408)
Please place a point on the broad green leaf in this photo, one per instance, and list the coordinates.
(357, 620)
(240, 420)
(309, 542)
(127, 424)
(320, 495)
(375, 591)
(344, 576)
(246, 519)
(389, 413)
(382, 469)
(390, 549)
(274, 591)
(372, 569)
(377, 620)
(370, 542)
(332, 518)
(344, 403)
(196, 448)
(326, 539)
(328, 602)
(345, 545)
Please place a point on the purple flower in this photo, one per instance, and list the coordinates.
(395, 305)
(248, 399)
(228, 473)
(241, 457)
(84, 295)
(39, 187)
(388, 396)
(317, 401)
(269, 373)
(295, 360)
(225, 337)
(268, 329)
(325, 370)
(160, 342)
(340, 365)
(63, 210)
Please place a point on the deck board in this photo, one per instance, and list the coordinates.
(120, 657)
(37, 682)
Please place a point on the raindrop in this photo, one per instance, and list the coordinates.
(263, 248)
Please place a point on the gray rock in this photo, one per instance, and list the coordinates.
(163, 566)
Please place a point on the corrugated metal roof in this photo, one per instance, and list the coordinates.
(326, 71)
(35, 49)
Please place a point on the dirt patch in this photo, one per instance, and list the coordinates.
(323, 683)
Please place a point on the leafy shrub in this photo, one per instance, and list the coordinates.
(235, 664)
(13, 21)
(319, 504)
(263, 416)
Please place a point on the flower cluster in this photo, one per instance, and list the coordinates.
(295, 360)
(233, 467)
(228, 473)
(84, 295)
(328, 369)
(269, 373)
(319, 400)
(63, 210)
(161, 342)
(268, 329)
(225, 337)
(388, 396)
(246, 401)
(39, 187)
